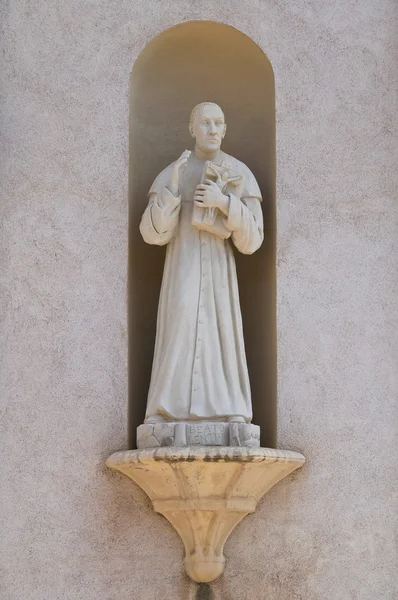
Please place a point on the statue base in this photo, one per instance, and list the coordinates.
(198, 433)
(205, 492)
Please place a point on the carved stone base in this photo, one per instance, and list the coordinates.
(205, 492)
(198, 433)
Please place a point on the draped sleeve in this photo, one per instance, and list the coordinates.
(245, 216)
(160, 218)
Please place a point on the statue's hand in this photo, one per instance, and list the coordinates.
(209, 195)
(175, 175)
(216, 174)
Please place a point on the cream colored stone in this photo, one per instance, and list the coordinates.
(198, 433)
(205, 493)
(198, 205)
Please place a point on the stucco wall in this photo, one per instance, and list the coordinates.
(72, 530)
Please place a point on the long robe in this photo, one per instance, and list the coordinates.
(199, 368)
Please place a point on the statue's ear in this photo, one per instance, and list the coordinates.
(225, 131)
(191, 130)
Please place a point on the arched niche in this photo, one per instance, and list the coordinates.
(187, 64)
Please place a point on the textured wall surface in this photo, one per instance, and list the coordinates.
(71, 530)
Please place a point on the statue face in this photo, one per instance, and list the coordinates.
(209, 128)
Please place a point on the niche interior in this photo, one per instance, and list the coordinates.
(187, 64)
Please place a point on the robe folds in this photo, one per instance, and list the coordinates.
(199, 367)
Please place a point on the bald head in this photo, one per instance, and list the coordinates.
(207, 126)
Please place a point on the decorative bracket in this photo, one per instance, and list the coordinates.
(205, 492)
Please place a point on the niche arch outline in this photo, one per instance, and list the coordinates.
(188, 63)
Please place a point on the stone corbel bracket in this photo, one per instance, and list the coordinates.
(205, 492)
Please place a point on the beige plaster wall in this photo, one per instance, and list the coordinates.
(72, 530)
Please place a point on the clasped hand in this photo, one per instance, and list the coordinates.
(209, 195)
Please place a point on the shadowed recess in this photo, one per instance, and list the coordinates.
(187, 64)
(204, 592)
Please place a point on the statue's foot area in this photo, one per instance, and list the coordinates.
(198, 433)
(155, 419)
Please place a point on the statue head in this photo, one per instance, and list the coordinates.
(207, 126)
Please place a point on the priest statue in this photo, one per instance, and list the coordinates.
(200, 205)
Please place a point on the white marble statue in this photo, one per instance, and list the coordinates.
(199, 206)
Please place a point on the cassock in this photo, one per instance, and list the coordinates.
(199, 367)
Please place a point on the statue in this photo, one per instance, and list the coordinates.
(199, 206)
(211, 471)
